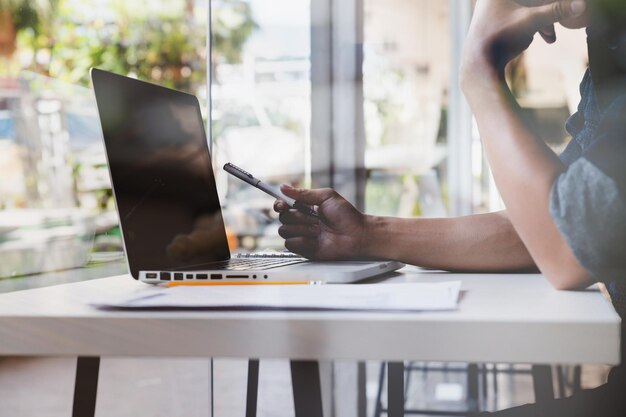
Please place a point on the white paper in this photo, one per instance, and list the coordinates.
(362, 297)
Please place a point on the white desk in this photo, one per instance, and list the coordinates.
(503, 318)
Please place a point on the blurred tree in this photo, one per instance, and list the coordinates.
(231, 26)
(19, 15)
(164, 49)
(165, 44)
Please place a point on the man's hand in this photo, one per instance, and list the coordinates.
(503, 29)
(337, 234)
(548, 33)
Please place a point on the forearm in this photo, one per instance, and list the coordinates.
(479, 243)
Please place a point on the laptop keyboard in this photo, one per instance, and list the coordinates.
(254, 263)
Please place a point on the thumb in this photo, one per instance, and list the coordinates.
(558, 11)
(548, 34)
(310, 197)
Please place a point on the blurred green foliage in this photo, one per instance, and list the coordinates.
(164, 42)
(29, 14)
(231, 26)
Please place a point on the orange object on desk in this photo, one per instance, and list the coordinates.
(209, 283)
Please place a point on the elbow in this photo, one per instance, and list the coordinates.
(560, 266)
(567, 275)
(570, 284)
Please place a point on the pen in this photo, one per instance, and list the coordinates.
(255, 182)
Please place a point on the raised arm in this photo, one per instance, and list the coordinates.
(524, 167)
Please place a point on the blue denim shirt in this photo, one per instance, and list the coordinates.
(588, 200)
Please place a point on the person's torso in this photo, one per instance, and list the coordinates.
(584, 128)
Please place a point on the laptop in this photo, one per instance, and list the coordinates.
(166, 196)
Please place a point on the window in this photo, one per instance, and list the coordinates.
(56, 206)
(261, 108)
(406, 77)
(359, 95)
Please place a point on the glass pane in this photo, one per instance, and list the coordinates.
(56, 206)
(545, 80)
(406, 67)
(406, 76)
(260, 108)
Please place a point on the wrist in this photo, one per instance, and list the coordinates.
(373, 238)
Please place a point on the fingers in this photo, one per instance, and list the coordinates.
(310, 197)
(280, 206)
(304, 246)
(291, 230)
(295, 217)
(533, 3)
(548, 34)
(558, 10)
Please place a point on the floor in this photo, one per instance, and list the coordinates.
(170, 388)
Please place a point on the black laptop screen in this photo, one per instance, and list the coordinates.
(162, 176)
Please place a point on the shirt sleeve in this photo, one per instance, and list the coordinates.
(588, 203)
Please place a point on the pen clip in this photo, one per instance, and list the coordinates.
(235, 167)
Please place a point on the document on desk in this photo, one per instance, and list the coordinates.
(337, 297)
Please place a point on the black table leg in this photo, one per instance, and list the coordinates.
(542, 383)
(560, 377)
(253, 387)
(473, 396)
(307, 388)
(211, 389)
(395, 389)
(86, 386)
(362, 387)
(577, 379)
(495, 379)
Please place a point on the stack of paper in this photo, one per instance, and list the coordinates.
(364, 297)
